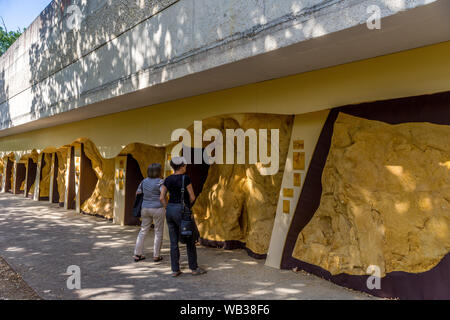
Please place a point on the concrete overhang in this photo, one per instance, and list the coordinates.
(215, 68)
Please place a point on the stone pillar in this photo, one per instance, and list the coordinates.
(119, 190)
(167, 172)
(53, 195)
(69, 197)
(77, 159)
(127, 178)
(86, 179)
(26, 178)
(1, 180)
(37, 181)
(4, 177)
(304, 137)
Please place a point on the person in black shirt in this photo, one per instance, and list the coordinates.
(173, 185)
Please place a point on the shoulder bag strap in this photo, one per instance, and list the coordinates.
(182, 191)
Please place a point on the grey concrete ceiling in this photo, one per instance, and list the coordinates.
(425, 25)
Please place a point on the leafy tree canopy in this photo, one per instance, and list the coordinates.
(7, 38)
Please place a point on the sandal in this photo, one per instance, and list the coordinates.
(198, 272)
(157, 259)
(176, 274)
(138, 258)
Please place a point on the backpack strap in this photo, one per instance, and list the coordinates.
(141, 186)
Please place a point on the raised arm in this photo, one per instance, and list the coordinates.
(191, 193)
(139, 189)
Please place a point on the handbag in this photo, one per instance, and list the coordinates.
(137, 207)
(187, 225)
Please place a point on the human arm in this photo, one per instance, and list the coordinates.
(190, 190)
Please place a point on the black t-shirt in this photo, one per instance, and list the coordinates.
(173, 185)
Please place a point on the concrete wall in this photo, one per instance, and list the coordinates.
(123, 46)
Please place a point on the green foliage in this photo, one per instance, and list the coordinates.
(7, 39)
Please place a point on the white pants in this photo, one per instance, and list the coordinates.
(157, 215)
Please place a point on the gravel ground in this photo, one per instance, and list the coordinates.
(12, 286)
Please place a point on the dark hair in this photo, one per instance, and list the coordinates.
(154, 170)
(177, 163)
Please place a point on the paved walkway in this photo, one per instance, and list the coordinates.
(40, 240)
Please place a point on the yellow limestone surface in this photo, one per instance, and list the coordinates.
(145, 155)
(237, 202)
(34, 157)
(61, 153)
(1, 170)
(44, 185)
(101, 200)
(3, 162)
(385, 199)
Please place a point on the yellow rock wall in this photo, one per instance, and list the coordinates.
(385, 200)
(237, 202)
(44, 185)
(145, 155)
(61, 177)
(34, 155)
(31, 192)
(24, 159)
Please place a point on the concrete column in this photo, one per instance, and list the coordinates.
(70, 180)
(77, 159)
(30, 176)
(119, 190)
(305, 134)
(53, 179)
(4, 177)
(19, 176)
(14, 174)
(37, 181)
(167, 172)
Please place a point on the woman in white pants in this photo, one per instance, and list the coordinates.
(152, 210)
